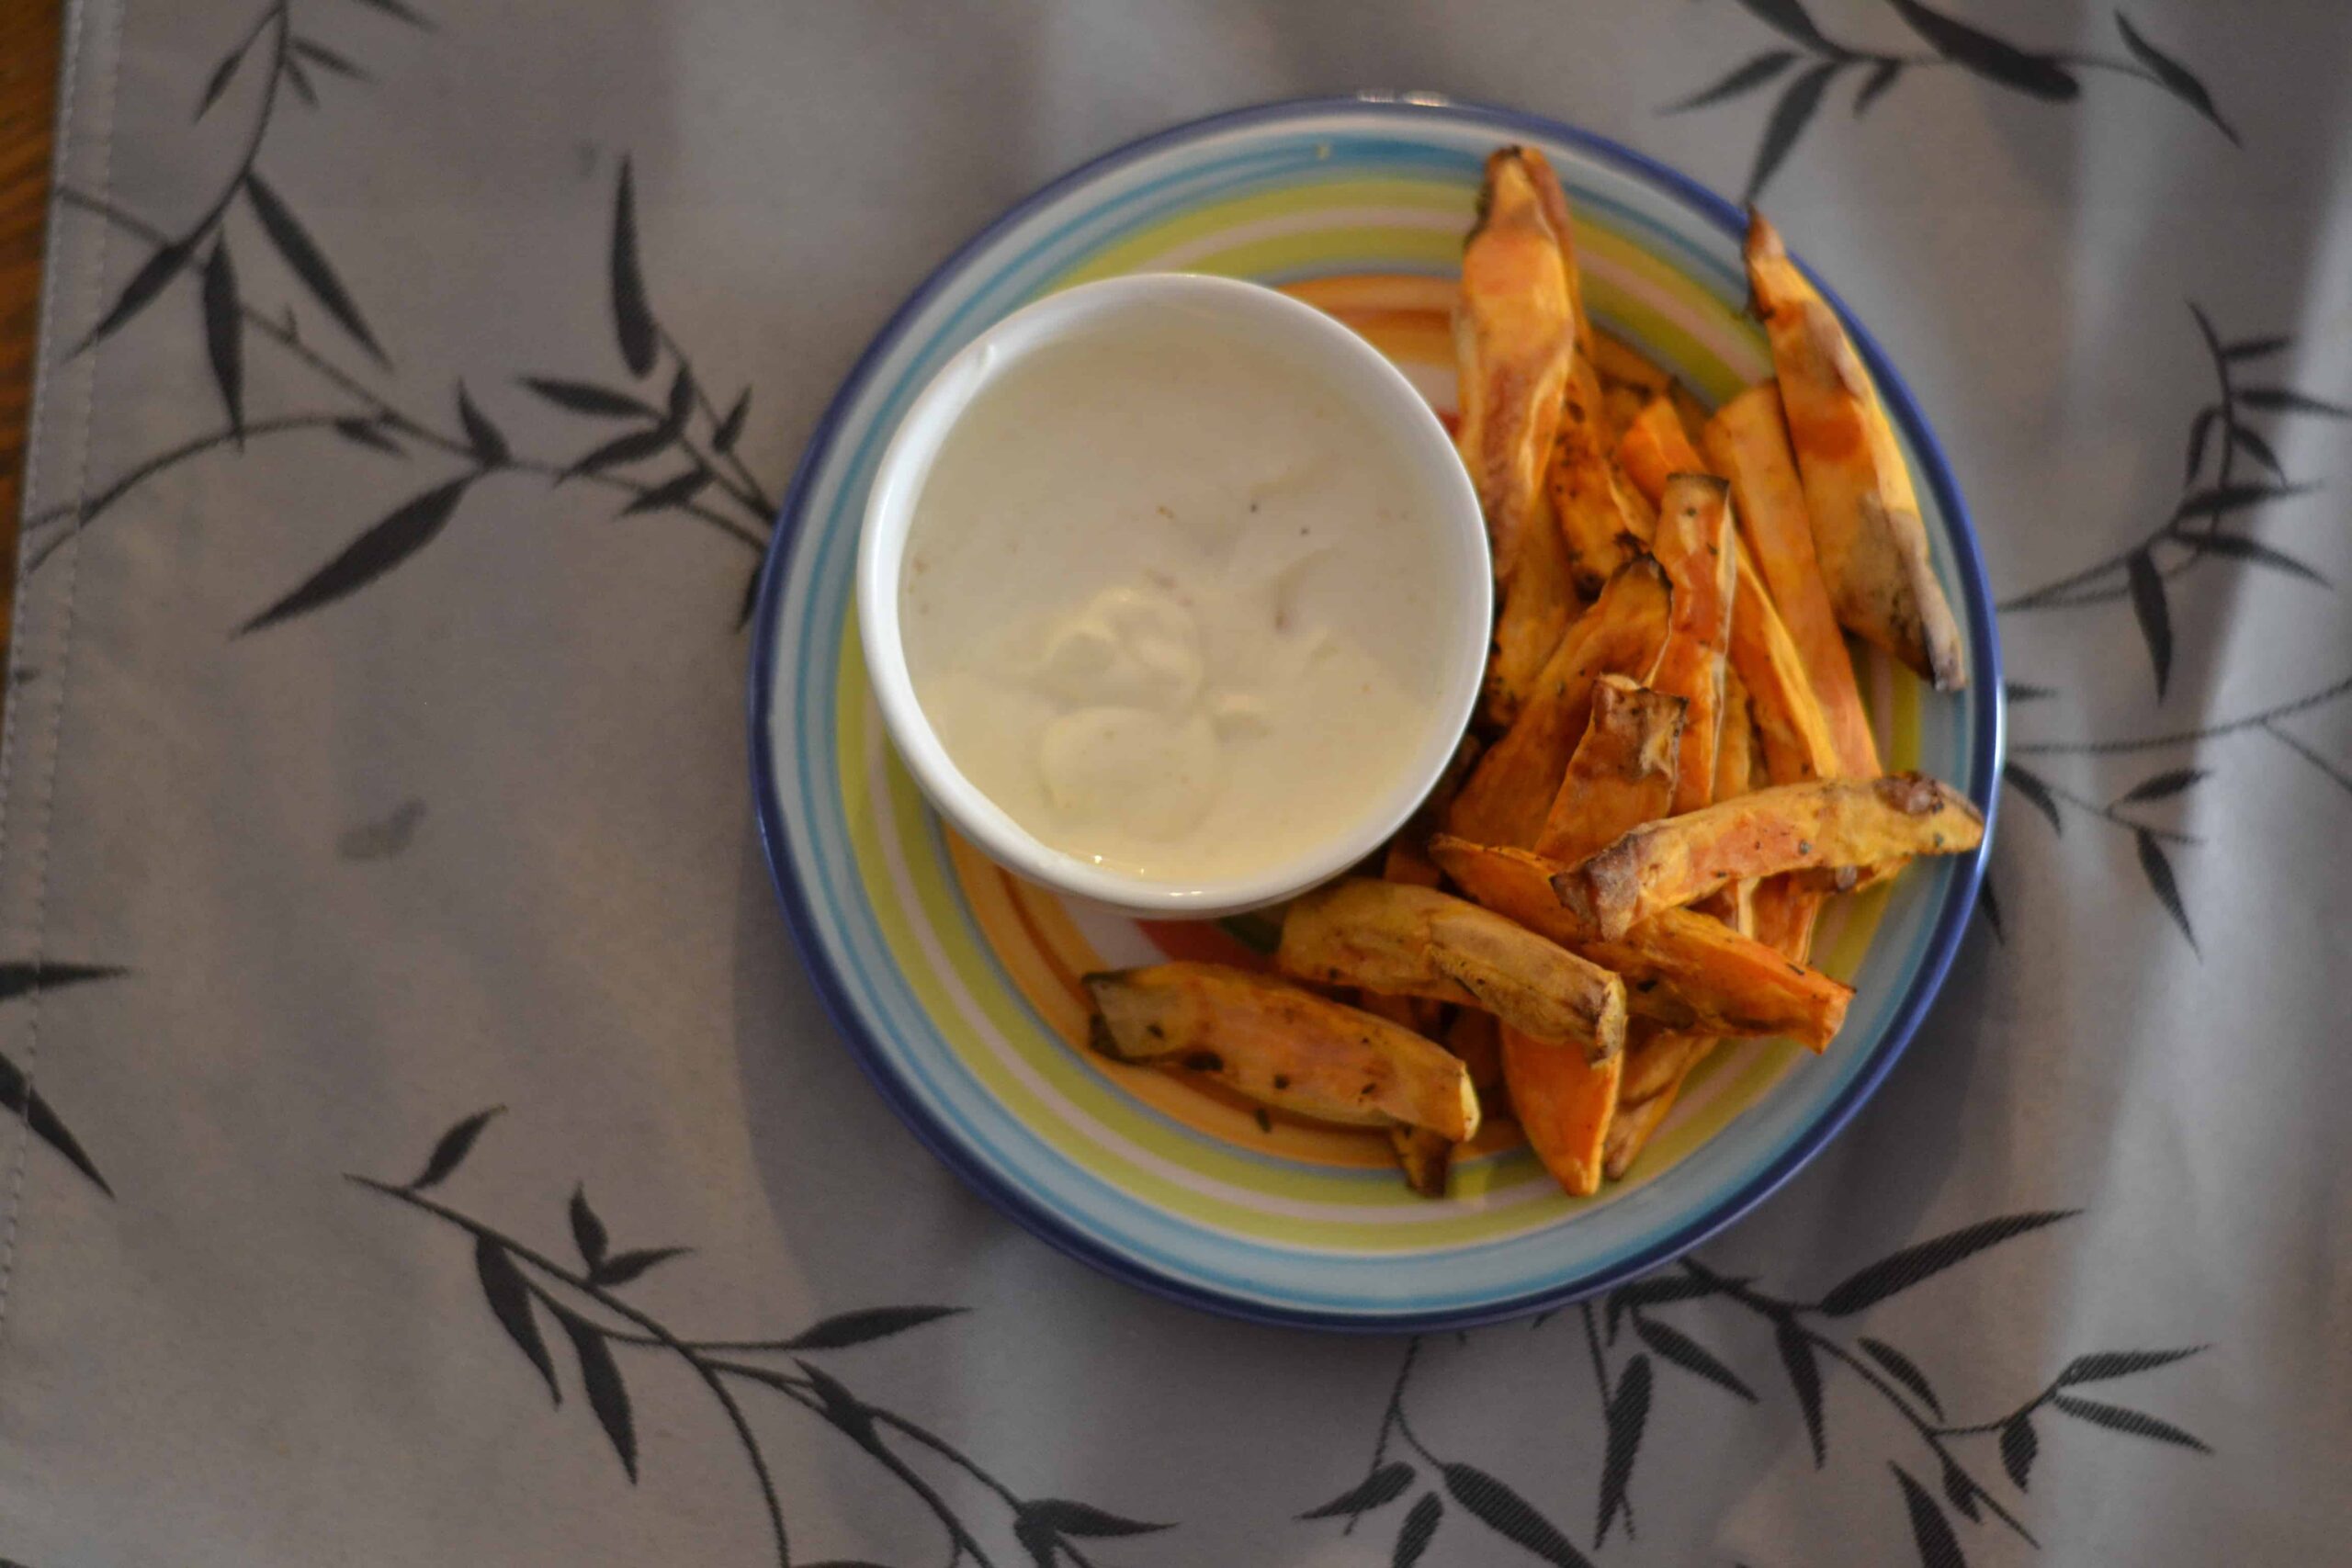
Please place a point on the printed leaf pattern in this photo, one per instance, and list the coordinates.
(2174, 78)
(2117, 1418)
(632, 317)
(1672, 1344)
(224, 337)
(510, 1302)
(19, 1096)
(2043, 75)
(1628, 1417)
(1509, 1515)
(1924, 1262)
(1930, 1531)
(1421, 1528)
(1382, 1486)
(1804, 1382)
(383, 547)
(862, 1327)
(1902, 1370)
(520, 1283)
(307, 262)
(451, 1151)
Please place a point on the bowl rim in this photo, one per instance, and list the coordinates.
(1944, 938)
(1395, 414)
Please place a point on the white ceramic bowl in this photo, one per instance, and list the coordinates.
(1394, 413)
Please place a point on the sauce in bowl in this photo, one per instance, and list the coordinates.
(1174, 594)
(1170, 604)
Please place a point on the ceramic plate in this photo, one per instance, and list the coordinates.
(957, 985)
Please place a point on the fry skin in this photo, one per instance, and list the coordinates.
(1622, 774)
(1829, 823)
(1866, 529)
(1684, 970)
(1413, 942)
(1514, 340)
(1509, 792)
(1656, 447)
(1283, 1046)
(1748, 443)
(1564, 1105)
(1694, 545)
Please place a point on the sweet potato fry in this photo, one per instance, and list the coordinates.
(1622, 774)
(1833, 822)
(1425, 1157)
(1631, 1131)
(1734, 904)
(1474, 1037)
(1621, 404)
(1563, 1104)
(1510, 789)
(1283, 1046)
(1685, 970)
(1514, 342)
(1694, 545)
(1866, 528)
(1798, 745)
(1785, 911)
(1748, 443)
(1414, 942)
(1656, 447)
(1538, 603)
(1604, 519)
(1655, 1060)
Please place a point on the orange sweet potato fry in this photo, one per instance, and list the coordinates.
(1685, 970)
(1656, 447)
(1798, 744)
(1866, 528)
(1510, 790)
(1748, 443)
(1283, 1046)
(1563, 1104)
(1635, 1124)
(1538, 604)
(1604, 519)
(1829, 823)
(1425, 1158)
(1694, 545)
(1416, 942)
(1655, 1060)
(1622, 774)
(1473, 1036)
(1514, 342)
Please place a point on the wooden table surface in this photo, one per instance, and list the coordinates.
(28, 42)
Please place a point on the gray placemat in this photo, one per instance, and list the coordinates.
(390, 981)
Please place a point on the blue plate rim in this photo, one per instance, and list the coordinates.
(1944, 938)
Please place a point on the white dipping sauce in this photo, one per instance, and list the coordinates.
(1170, 603)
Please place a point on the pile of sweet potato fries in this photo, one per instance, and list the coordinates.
(1676, 772)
